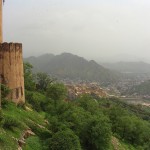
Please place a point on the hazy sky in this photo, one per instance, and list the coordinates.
(89, 28)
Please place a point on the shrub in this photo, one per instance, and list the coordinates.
(5, 91)
(10, 122)
(5, 103)
(35, 99)
(64, 140)
(33, 143)
(1, 118)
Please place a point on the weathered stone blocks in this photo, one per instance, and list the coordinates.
(11, 70)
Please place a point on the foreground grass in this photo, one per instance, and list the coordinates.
(16, 121)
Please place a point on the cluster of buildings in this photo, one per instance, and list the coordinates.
(75, 90)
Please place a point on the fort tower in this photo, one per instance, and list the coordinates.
(11, 66)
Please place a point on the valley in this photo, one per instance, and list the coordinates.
(121, 80)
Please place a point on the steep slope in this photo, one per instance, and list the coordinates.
(14, 122)
(71, 66)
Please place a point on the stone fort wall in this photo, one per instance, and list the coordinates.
(11, 70)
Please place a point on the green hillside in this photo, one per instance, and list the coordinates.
(19, 119)
(56, 123)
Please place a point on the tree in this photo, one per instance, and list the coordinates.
(29, 77)
(76, 118)
(43, 80)
(64, 140)
(98, 133)
(93, 129)
(88, 103)
(115, 114)
(57, 92)
(36, 99)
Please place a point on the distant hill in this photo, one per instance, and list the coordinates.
(129, 67)
(72, 66)
(39, 62)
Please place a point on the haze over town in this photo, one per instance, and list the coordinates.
(105, 30)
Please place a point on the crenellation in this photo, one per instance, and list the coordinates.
(11, 46)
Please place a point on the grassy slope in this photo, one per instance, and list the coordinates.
(25, 119)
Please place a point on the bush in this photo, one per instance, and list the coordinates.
(64, 140)
(10, 122)
(96, 134)
(33, 143)
(129, 127)
(5, 91)
(21, 105)
(35, 99)
(57, 92)
(5, 103)
(1, 118)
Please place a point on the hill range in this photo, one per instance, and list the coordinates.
(69, 66)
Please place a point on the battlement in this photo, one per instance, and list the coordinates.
(11, 70)
(10, 46)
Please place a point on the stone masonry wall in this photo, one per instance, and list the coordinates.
(11, 70)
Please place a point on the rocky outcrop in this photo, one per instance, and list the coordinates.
(26, 134)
